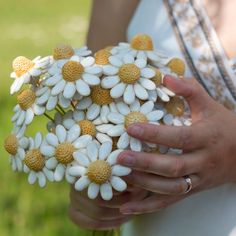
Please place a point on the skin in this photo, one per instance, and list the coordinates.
(209, 147)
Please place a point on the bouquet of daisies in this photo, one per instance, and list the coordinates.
(89, 102)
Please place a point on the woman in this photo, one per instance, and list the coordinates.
(194, 194)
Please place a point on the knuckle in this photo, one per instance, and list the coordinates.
(178, 168)
(185, 138)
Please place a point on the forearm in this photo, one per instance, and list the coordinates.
(109, 21)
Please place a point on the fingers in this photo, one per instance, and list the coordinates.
(163, 165)
(87, 222)
(161, 185)
(183, 137)
(151, 204)
(197, 98)
(91, 209)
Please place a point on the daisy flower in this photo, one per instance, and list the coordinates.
(160, 91)
(141, 47)
(98, 171)
(60, 147)
(26, 69)
(26, 108)
(74, 75)
(129, 78)
(16, 145)
(34, 163)
(128, 115)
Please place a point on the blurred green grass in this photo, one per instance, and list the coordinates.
(32, 28)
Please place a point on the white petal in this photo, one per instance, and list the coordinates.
(118, 184)
(112, 107)
(129, 95)
(59, 172)
(41, 91)
(52, 80)
(73, 133)
(93, 190)
(128, 59)
(38, 110)
(104, 128)
(123, 141)
(23, 142)
(65, 103)
(103, 138)
(19, 164)
(142, 55)
(52, 139)
(115, 61)
(52, 103)
(118, 90)
(43, 99)
(78, 115)
(69, 90)
(32, 177)
(167, 91)
(88, 61)
(106, 192)
(35, 72)
(48, 151)
(168, 119)
(112, 158)
(95, 70)
(38, 140)
(84, 103)
(68, 123)
(82, 183)
(140, 92)
(152, 95)
(116, 118)
(29, 116)
(21, 118)
(82, 141)
(119, 170)
(164, 97)
(82, 87)
(104, 113)
(105, 150)
(70, 179)
(117, 130)
(147, 107)
(91, 79)
(49, 174)
(147, 84)
(61, 133)
(77, 171)
(123, 108)
(17, 85)
(59, 87)
(110, 81)
(155, 115)
(92, 151)
(135, 144)
(93, 111)
(41, 179)
(135, 106)
(148, 73)
(110, 70)
(81, 158)
(141, 63)
(153, 56)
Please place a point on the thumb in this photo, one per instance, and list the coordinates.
(197, 98)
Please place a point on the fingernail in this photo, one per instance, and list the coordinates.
(126, 160)
(136, 130)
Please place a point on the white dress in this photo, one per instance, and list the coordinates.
(182, 28)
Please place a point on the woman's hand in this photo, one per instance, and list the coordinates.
(209, 156)
(99, 214)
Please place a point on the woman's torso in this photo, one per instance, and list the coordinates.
(175, 30)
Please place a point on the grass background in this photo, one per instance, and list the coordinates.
(32, 28)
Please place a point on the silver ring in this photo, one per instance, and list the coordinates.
(189, 184)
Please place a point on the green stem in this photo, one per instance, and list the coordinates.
(49, 117)
(62, 110)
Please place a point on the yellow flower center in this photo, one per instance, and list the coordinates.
(175, 106)
(63, 52)
(11, 144)
(72, 71)
(142, 42)
(101, 96)
(34, 160)
(129, 73)
(99, 172)
(87, 127)
(21, 65)
(101, 57)
(64, 153)
(135, 117)
(177, 66)
(157, 79)
(26, 99)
